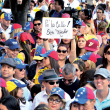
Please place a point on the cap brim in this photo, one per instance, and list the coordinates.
(100, 74)
(81, 101)
(43, 55)
(22, 85)
(51, 79)
(87, 48)
(7, 64)
(21, 66)
(37, 58)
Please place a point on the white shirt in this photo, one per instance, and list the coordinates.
(43, 96)
(8, 30)
(74, 4)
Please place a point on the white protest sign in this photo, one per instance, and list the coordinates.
(57, 28)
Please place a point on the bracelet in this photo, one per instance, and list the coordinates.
(45, 39)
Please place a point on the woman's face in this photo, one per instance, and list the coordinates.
(62, 52)
(3, 107)
(66, 41)
(81, 43)
(20, 93)
(78, 72)
(46, 62)
(52, 6)
(42, 3)
(19, 74)
(107, 55)
(39, 41)
(39, 62)
(55, 103)
(51, 41)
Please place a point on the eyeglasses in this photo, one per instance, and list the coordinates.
(78, 27)
(37, 24)
(108, 52)
(69, 80)
(63, 51)
(22, 69)
(57, 101)
(52, 83)
(39, 60)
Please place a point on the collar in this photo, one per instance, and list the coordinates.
(45, 93)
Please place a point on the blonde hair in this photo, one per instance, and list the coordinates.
(15, 31)
(102, 25)
(91, 64)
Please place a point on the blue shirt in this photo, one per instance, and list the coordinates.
(105, 103)
(55, 14)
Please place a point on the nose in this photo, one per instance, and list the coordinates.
(66, 82)
(81, 107)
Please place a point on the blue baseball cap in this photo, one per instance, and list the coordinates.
(60, 92)
(83, 94)
(81, 23)
(12, 43)
(28, 26)
(6, 16)
(0, 31)
(15, 35)
(20, 64)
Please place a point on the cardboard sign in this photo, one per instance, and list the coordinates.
(60, 28)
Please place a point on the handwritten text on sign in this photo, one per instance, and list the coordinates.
(57, 28)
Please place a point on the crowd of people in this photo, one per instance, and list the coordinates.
(39, 73)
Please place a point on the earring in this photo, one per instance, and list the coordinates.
(61, 108)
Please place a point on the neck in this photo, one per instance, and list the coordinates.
(70, 1)
(8, 79)
(48, 92)
(99, 19)
(108, 64)
(58, 11)
(101, 95)
(36, 32)
(4, 27)
(82, 51)
(61, 63)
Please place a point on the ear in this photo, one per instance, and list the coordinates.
(94, 101)
(105, 55)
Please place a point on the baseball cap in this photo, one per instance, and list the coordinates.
(65, 15)
(51, 53)
(89, 56)
(15, 26)
(12, 43)
(28, 26)
(91, 45)
(15, 35)
(12, 84)
(38, 51)
(2, 83)
(58, 91)
(83, 94)
(52, 1)
(9, 61)
(20, 64)
(6, 16)
(103, 72)
(39, 35)
(81, 23)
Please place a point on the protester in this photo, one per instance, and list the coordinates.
(42, 107)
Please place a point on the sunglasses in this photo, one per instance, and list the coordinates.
(69, 80)
(108, 52)
(37, 24)
(52, 83)
(63, 51)
(39, 60)
(22, 69)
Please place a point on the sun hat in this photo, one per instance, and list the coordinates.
(51, 53)
(38, 51)
(9, 61)
(83, 94)
(12, 44)
(12, 84)
(50, 75)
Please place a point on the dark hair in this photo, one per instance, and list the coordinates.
(63, 46)
(54, 64)
(107, 108)
(35, 89)
(81, 65)
(60, 2)
(86, 76)
(4, 92)
(100, 8)
(39, 1)
(6, 4)
(33, 2)
(103, 6)
(14, 94)
(37, 19)
(26, 48)
(104, 60)
(42, 107)
(10, 102)
(88, 13)
(91, 83)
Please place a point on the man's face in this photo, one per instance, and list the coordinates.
(101, 83)
(51, 84)
(31, 6)
(7, 71)
(68, 79)
(89, 105)
(6, 23)
(81, 29)
(83, 17)
(38, 26)
(57, 6)
(99, 14)
(12, 53)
